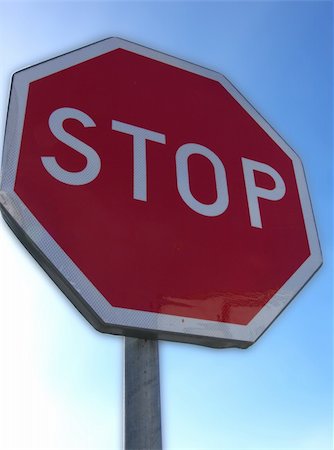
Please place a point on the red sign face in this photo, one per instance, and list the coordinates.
(159, 200)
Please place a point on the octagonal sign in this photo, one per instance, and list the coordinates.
(155, 196)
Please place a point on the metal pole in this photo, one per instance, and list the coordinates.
(142, 413)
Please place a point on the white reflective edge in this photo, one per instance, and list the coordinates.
(133, 318)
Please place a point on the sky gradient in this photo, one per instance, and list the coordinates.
(61, 381)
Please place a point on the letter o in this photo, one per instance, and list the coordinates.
(182, 175)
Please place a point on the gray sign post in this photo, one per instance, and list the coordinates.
(142, 412)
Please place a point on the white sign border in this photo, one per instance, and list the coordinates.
(133, 322)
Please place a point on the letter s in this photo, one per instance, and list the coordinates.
(93, 166)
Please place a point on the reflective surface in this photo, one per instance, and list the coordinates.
(156, 253)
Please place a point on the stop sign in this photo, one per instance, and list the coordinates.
(155, 196)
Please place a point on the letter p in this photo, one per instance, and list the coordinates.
(254, 192)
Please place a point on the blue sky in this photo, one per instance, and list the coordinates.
(61, 381)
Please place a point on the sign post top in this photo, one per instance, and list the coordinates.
(155, 196)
